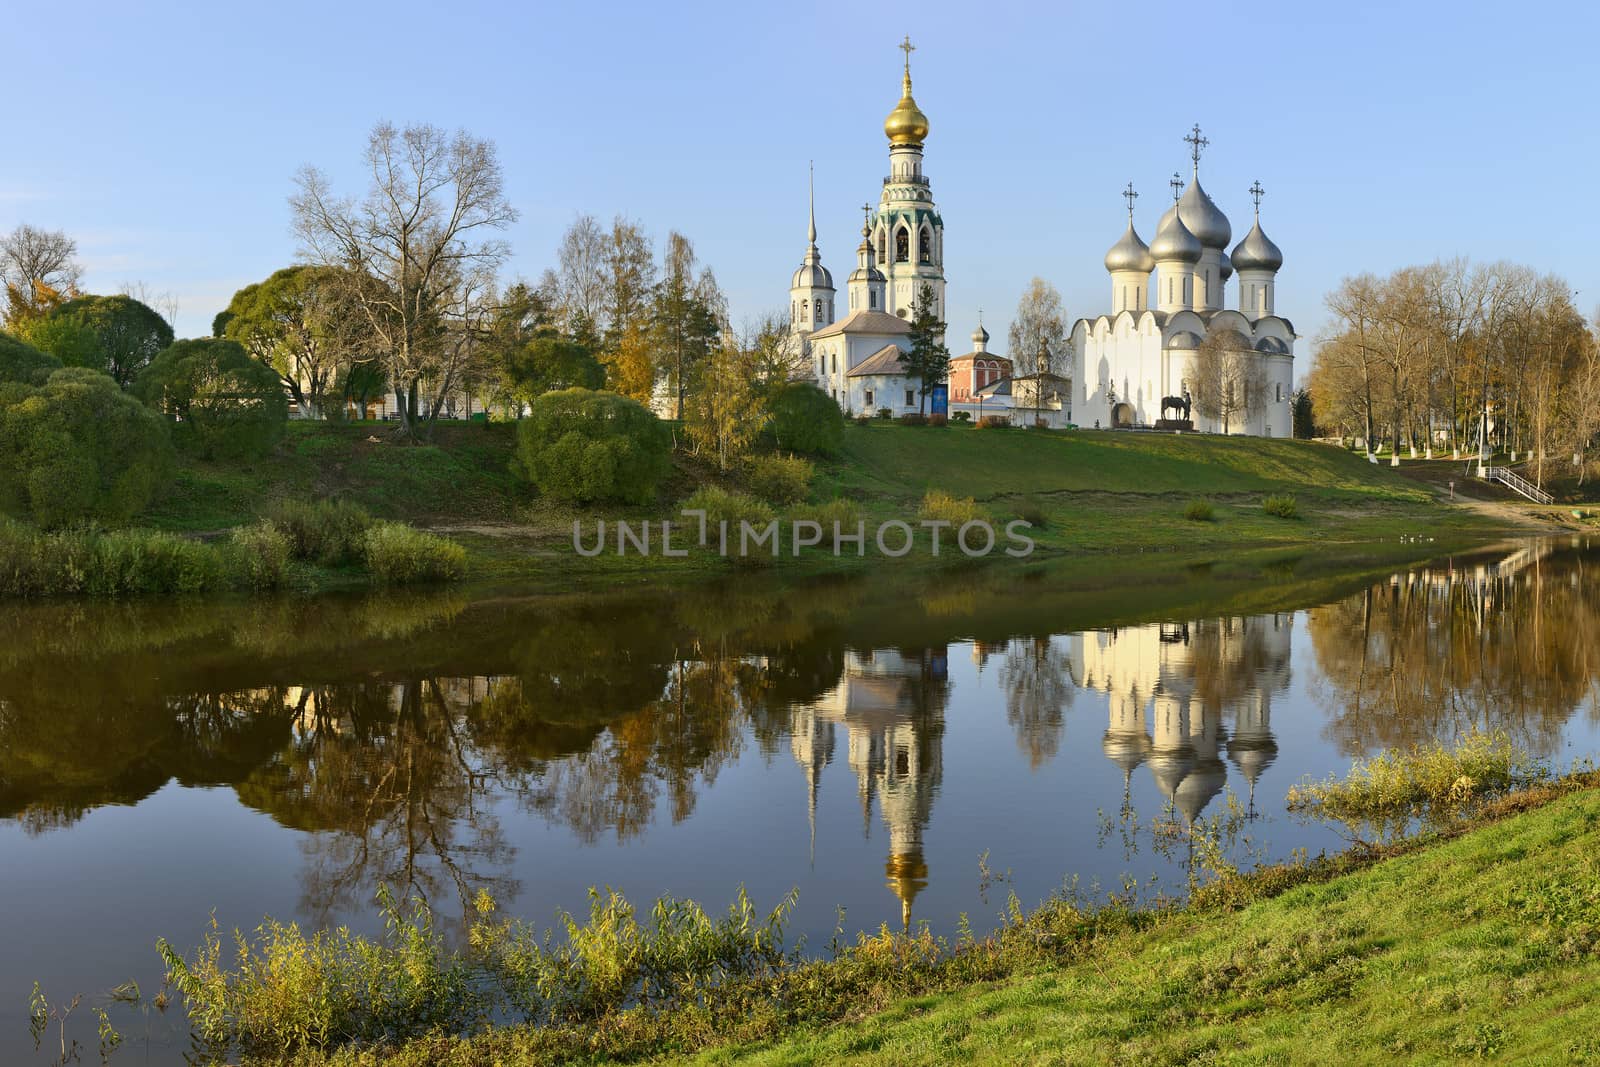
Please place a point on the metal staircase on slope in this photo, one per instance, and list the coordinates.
(1518, 484)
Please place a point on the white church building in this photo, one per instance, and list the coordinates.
(1128, 362)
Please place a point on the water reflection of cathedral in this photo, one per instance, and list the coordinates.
(891, 705)
(1181, 695)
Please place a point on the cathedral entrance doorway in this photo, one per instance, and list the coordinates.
(1122, 417)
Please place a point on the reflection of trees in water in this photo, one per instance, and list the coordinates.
(668, 747)
(1036, 677)
(1436, 654)
(384, 778)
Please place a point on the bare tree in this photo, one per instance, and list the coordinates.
(1038, 334)
(580, 278)
(1354, 308)
(417, 244)
(35, 263)
(164, 302)
(1228, 379)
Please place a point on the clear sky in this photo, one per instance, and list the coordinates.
(164, 137)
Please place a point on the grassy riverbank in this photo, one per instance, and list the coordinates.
(1084, 491)
(1474, 942)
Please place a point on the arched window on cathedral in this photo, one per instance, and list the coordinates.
(902, 245)
(803, 308)
(925, 246)
(818, 315)
(874, 298)
(883, 256)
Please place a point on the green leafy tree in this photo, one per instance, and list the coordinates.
(929, 359)
(225, 404)
(687, 320)
(78, 448)
(67, 337)
(300, 323)
(805, 419)
(725, 414)
(21, 362)
(584, 446)
(128, 333)
(545, 363)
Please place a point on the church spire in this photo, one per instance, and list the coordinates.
(811, 196)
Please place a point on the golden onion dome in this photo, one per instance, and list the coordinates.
(906, 124)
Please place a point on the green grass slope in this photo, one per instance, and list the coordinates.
(1085, 491)
(989, 463)
(1484, 947)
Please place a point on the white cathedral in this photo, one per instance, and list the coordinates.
(1128, 363)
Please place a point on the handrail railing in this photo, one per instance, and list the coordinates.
(900, 179)
(1518, 484)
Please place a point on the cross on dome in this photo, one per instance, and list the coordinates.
(1130, 196)
(1177, 186)
(1196, 143)
(907, 47)
(1256, 193)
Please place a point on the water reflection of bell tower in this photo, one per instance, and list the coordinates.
(811, 740)
(892, 706)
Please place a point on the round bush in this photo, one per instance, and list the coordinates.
(79, 448)
(24, 363)
(587, 447)
(804, 419)
(226, 404)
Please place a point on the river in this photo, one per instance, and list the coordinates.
(908, 757)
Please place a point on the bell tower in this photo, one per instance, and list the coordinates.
(908, 234)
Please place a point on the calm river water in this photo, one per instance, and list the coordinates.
(162, 762)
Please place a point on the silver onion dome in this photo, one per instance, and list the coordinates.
(1256, 251)
(1130, 253)
(1204, 219)
(1175, 241)
(812, 275)
(980, 336)
(1227, 267)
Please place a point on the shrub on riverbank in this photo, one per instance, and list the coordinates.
(259, 556)
(78, 448)
(1281, 505)
(396, 554)
(584, 447)
(780, 479)
(720, 505)
(105, 564)
(941, 506)
(1199, 511)
(330, 532)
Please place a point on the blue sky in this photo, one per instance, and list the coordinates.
(165, 139)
